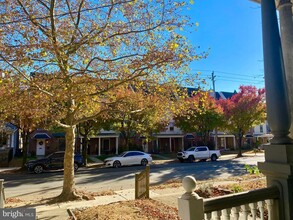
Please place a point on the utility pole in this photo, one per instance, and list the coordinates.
(215, 97)
(213, 81)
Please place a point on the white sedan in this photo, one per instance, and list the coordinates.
(129, 158)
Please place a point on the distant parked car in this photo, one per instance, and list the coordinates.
(128, 158)
(54, 161)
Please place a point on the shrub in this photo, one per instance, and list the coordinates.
(251, 169)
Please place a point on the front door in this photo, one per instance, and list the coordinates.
(40, 147)
(106, 146)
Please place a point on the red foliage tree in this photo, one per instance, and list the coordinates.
(244, 110)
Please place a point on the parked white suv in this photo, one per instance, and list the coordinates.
(198, 153)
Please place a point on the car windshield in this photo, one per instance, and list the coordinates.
(190, 149)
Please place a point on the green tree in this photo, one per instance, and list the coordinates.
(80, 50)
(243, 111)
(200, 113)
(142, 112)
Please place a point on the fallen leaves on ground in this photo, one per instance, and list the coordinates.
(91, 195)
(13, 200)
(144, 209)
(149, 209)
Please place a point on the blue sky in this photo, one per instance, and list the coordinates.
(232, 31)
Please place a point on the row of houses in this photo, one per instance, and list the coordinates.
(172, 139)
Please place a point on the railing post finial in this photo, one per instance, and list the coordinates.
(189, 184)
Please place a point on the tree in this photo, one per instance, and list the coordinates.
(24, 107)
(201, 114)
(79, 51)
(244, 110)
(142, 112)
(90, 127)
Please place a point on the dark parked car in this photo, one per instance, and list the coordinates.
(54, 161)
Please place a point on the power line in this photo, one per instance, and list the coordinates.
(227, 73)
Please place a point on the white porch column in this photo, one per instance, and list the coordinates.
(99, 146)
(286, 27)
(8, 141)
(116, 145)
(170, 143)
(225, 142)
(234, 142)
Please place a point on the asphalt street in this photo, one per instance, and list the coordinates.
(99, 178)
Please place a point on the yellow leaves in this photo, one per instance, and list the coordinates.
(196, 24)
(43, 54)
(174, 46)
(126, 70)
(133, 2)
(169, 28)
(85, 61)
(191, 2)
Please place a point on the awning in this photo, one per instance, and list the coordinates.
(59, 135)
(41, 136)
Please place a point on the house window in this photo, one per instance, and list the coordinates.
(261, 129)
(172, 128)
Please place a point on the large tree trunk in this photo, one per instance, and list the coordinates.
(240, 144)
(68, 192)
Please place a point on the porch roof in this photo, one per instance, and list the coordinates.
(41, 136)
(169, 135)
(114, 135)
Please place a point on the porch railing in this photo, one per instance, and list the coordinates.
(256, 204)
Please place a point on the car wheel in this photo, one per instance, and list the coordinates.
(190, 159)
(214, 157)
(38, 169)
(116, 164)
(75, 166)
(144, 162)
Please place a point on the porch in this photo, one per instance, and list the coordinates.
(278, 165)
